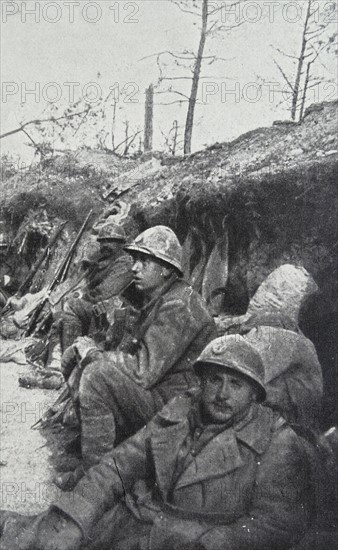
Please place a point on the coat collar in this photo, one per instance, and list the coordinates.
(157, 295)
(165, 445)
(220, 456)
(256, 433)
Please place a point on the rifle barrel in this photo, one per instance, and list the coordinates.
(61, 275)
(62, 272)
(27, 282)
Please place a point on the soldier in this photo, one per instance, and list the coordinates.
(121, 390)
(214, 470)
(87, 316)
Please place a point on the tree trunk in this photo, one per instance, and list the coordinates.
(113, 126)
(195, 81)
(296, 88)
(306, 84)
(148, 120)
(175, 126)
(126, 148)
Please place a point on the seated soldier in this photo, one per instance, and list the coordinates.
(87, 315)
(121, 390)
(214, 470)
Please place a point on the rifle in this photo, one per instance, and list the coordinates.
(24, 287)
(60, 277)
(68, 258)
(28, 281)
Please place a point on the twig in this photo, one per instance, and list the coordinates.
(41, 121)
(124, 141)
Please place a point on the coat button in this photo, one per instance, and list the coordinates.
(161, 517)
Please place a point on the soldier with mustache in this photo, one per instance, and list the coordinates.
(214, 470)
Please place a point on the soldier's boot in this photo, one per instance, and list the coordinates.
(17, 531)
(47, 531)
(42, 379)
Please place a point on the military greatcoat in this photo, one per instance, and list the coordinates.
(246, 487)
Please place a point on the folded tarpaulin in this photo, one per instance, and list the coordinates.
(293, 373)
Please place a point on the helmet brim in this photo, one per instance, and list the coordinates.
(111, 240)
(159, 256)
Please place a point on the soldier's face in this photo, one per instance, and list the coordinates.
(227, 396)
(148, 274)
(109, 248)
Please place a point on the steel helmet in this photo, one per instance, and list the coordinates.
(233, 352)
(112, 232)
(159, 242)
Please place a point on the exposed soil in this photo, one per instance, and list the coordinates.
(25, 470)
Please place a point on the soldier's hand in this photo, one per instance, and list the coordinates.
(85, 346)
(58, 532)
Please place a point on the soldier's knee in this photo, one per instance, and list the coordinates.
(92, 378)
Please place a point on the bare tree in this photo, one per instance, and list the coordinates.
(148, 119)
(209, 14)
(211, 23)
(195, 79)
(60, 128)
(39, 121)
(171, 141)
(128, 140)
(318, 35)
(174, 132)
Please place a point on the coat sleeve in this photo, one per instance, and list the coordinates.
(277, 518)
(106, 483)
(173, 329)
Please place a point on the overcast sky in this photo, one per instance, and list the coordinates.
(64, 50)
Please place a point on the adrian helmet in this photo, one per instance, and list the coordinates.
(111, 232)
(233, 352)
(161, 243)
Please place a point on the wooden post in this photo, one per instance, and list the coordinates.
(148, 119)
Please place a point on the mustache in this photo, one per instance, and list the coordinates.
(222, 403)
